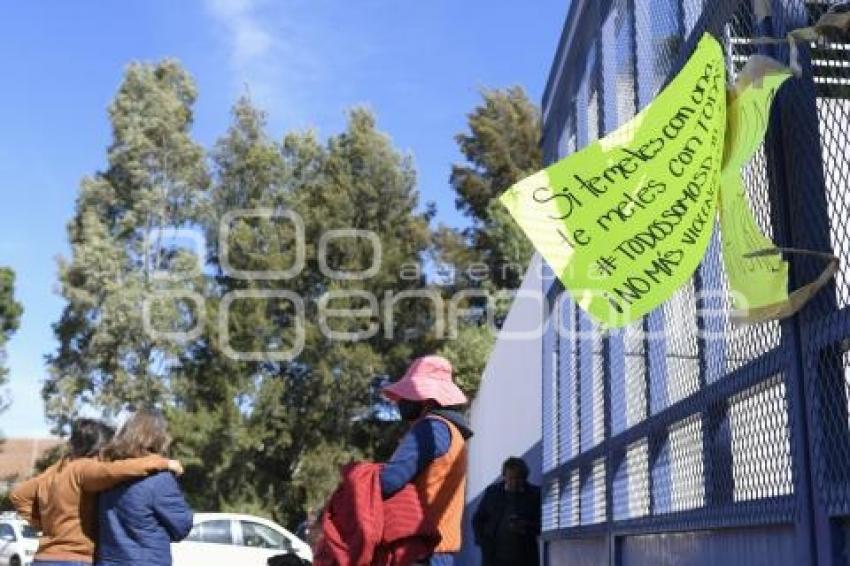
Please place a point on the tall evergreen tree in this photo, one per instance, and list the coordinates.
(155, 180)
(364, 184)
(214, 394)
(501, 147)
(10, 319)
(287, 424)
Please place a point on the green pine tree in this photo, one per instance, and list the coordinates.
(155, 180)
(270, 434)
(215, 397)
(366, 184)
(10, 319)
(501, 147)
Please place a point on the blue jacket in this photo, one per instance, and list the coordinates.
(137, 522)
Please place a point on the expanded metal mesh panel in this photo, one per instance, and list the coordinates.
(617, 384)
(593, 115)
(568, 140)
(621, 15)
(659, 40)
(631, 483)
(756, 184)
(833, 118)
(680, 331)
(657, 360)
(818, 201)
(743, 343)
(570, 510)
(678, 476)
(830, 405)
(636, 374)
(592, 112)
(628, 389)
(592, 384)
(593, 494)
(551, 502)
(621, 492)
(687, 486)
(570, 424)
(597, 345)
(551, 387)
(713, 305)
(738, 34)
(692, 9)
(761, 442)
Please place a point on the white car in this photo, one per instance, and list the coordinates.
(18, 541)
(225, 539)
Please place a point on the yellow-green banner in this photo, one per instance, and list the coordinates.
(758, 282)
(626, 221)
(758, 276)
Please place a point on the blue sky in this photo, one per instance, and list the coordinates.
(418, 65)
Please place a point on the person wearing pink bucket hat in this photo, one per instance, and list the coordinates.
(432, 454)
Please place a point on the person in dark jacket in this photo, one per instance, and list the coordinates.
(138, 521)
(507, 521)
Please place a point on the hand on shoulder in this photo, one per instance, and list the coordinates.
(175, 467)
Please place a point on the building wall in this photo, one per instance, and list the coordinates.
(506, 414)
(18, 457)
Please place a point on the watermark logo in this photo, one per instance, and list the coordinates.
(351, 315)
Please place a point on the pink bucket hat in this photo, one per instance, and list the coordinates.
(427, 378)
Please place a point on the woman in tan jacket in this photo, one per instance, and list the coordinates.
(62, 501)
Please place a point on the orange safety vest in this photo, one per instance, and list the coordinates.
(442, 488)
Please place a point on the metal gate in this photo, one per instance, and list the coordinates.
(682, 439)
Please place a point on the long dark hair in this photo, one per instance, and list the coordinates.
(88, 437)
(146, 432)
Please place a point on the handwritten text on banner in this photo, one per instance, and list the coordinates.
(626, 221)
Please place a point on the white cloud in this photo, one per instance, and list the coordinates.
(275, 51)
(249, 41)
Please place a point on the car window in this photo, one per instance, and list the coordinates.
(29, 532)
(7, 532)
(260, 536)
(216, 531)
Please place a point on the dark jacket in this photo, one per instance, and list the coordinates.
(493, 523)
(138, 521)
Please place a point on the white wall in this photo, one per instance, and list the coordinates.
(506, 414)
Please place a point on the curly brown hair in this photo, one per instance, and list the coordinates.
(146, 432)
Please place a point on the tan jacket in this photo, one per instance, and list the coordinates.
(62, 502)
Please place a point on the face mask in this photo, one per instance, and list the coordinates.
(409, 410)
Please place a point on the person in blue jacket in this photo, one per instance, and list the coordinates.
(138, 521)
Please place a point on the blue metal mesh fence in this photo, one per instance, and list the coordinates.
(684, 420)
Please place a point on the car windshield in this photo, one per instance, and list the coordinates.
(29, 532)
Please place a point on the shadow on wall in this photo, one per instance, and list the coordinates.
(470, 554)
